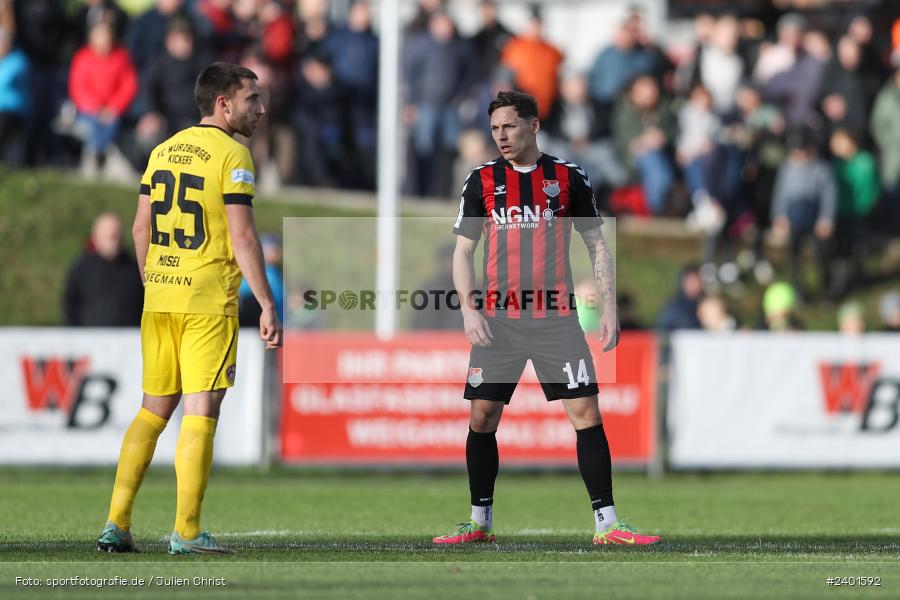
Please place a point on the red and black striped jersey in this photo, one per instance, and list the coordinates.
(526, 218)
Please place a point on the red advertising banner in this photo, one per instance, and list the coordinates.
(355, 399)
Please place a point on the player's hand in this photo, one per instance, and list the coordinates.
(781, 229)
(270, 329)
(823, 229)
(150, 125)
(107, 115)
(477, 329)
(653, 138)
(609, 328)
(409, 114)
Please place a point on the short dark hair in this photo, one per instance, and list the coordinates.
(179, 24)
(848, 133)
(800, 138)
(219, 78)
(526, 106)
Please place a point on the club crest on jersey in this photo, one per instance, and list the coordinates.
(475, 378)
(551, 188)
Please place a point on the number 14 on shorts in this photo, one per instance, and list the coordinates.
(581, 379)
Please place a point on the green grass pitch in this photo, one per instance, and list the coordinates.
(306, 534)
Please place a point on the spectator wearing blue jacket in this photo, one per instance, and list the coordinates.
(439, 70)
(146, 36)
(41, 32)
(619, 64)
(804, 206)
(680, 312)
(352, 51)
(13, 100)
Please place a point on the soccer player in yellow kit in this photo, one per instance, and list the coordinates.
(194, 236)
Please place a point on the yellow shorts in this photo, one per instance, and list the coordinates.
(188, 353)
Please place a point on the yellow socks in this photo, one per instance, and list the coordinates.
(193, 460)
(137, 451)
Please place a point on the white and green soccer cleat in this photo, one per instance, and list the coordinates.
(204, 543)
(113, 539)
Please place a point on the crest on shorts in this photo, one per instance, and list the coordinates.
(229, 373)
(475, 378)
(551, 188)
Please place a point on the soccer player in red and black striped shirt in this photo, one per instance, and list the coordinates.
(525, 203)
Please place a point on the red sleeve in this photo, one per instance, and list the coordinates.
(79, 91)
(127, 87)
(278, 40)
(220, 19)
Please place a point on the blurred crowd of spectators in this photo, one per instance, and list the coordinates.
(695, 307)
(705, 132)
(791, 131)
(784, 133)
(90, 83)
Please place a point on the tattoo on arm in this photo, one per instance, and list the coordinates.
(601, 259)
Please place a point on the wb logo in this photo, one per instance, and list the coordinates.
(67, 386)
(860, 389)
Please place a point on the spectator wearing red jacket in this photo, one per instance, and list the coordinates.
(102, 85)
(221, 22)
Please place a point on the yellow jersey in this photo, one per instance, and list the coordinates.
(190, 264)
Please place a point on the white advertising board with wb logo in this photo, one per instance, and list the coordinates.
(70, 394)
(798, 400)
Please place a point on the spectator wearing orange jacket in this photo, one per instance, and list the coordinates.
(102, 85)
(535, 63)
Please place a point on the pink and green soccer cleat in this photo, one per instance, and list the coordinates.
(624, 534)
(467, 533)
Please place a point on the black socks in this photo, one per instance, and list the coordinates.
(595, 465)
(483, 463)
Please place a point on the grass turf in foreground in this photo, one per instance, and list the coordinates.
(343, 536)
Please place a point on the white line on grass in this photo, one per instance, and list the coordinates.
(268, 532)
(552, 532)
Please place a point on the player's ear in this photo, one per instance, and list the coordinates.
(222, 103)
(535, 125)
